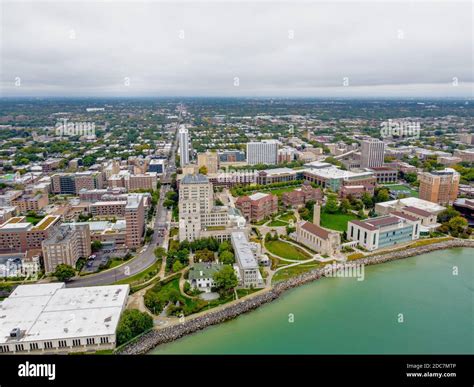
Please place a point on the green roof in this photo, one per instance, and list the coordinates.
(207, 268)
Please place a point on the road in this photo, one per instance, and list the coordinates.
(146, 257)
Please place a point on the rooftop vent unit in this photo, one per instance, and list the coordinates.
(15, 332)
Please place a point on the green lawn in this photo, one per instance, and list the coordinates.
(245, 292)
(287, 217)
(336, 222)
(34, 219)
(277, 223)
(143, 276)
(293, 271)
(285, 250)
(402, 187)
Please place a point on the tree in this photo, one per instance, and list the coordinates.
(177, 266)
(64, 272)
(160, 252)
(227, 257)
(367, 200)
(447, 214)
(345, 206)
(225, 279)
(382, 195)
(131, 324)
(457, 225)
(331, 206)
(224, 246)
(203, 170)
(96, 245)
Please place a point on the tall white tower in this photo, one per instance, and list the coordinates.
(183, 145)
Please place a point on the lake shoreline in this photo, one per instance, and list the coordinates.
(152, 339)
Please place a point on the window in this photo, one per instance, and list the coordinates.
(62, 343)
(19, 347)
(34, 346)
(48, 345)
(104, 340)
(90, 341)
(4, 348)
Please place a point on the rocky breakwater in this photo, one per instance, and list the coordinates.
(156, 337)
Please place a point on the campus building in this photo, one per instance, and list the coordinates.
(31, 202)
(52, 319)
(257, 206)
(300, 196)
(327, 175)
(384, 231)
(440, 187)
(246, 262)
(199, 217)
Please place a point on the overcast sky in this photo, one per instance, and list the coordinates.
(115, 48)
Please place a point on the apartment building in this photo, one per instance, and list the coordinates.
(108, 208)
(466, 155)
(257, 206)
(384, 231)
(183, 145)
(66, 246)
(135, 220)
(6, 200)
(264, 152)
(372, 153)
(440, 187)
(31, 202)
(73, 183)
(133, 182)
(18, 235)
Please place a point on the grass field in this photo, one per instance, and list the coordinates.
(336, 222)
(293, 271)
(402, 187)
(285, 250)
(277, 223)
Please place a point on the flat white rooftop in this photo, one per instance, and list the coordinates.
(415, 202)
(258, 195)
(52, 311)
(243, 251)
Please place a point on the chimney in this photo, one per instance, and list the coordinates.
(317, 214)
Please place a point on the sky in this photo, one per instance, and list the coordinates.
(240, 48)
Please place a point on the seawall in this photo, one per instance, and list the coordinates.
(150, 340)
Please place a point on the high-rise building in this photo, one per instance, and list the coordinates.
(265, 152)
(66, 246)
(372, 153)
(198, 216)
(210, 160)
(183, 145)
(440, 187)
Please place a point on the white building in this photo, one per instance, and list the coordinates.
(384, 231)
(201, 275)
(265, 152)
(246, 261)
(183, 145)
(372, 153)
(199, 217)
(50, 318)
